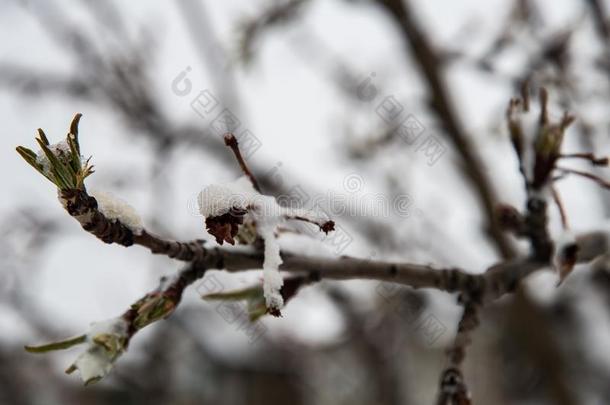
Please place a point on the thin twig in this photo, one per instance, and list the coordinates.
(595, 160)
(603, 183)
(325, 226)
(232, 143)
(562, 212)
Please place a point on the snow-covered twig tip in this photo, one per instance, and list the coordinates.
(235, 206)
(106, 341)
(61, 163)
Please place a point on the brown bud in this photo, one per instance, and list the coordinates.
(225, 227)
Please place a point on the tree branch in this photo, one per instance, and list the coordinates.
(430, 66)
(498, 280)
(84, 209)
(232, 143)
(123, 226)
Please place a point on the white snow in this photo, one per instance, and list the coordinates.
(266, 226)
(267, 214)
(59, 149)
(116, 326)
(216, 199)
(115, 208)
(97, 361)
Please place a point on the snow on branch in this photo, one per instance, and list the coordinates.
(239, 211)
(101, 214)
(106, 341)
(228, 208)
(116, 209)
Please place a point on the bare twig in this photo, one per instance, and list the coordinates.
(560, 207)
(603, 183)
(325, 225)
(594, 160)
(232, 143)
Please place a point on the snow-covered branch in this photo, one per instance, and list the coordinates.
(107, 340)
(238, 211)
